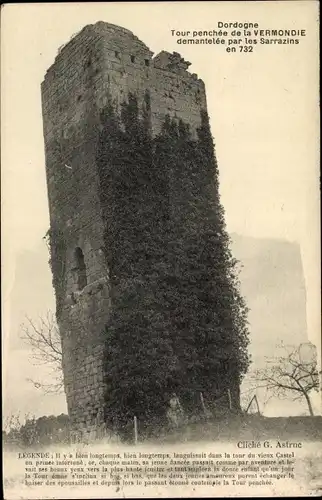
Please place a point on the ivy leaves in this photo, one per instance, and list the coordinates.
(178, 322)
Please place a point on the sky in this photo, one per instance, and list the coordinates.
(263, 108)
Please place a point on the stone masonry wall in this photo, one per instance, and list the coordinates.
(102, 62)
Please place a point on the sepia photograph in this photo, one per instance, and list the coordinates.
(160, 249)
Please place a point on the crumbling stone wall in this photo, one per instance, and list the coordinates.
(102, 64)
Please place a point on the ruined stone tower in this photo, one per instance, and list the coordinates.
(103, 63)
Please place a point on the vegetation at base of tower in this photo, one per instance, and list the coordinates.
(178, 322)
(35, 432)
(57, 250)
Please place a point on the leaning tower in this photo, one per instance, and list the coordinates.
(102, 64)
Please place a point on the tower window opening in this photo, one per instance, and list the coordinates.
(117, 54)
(80, 269)
(132, 59)
(147, 62)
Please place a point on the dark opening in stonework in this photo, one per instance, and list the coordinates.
(147, 62)
(80, 269)
(132, 59)
(117, 54)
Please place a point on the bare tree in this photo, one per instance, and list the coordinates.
(290, 375)
(44, 340)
